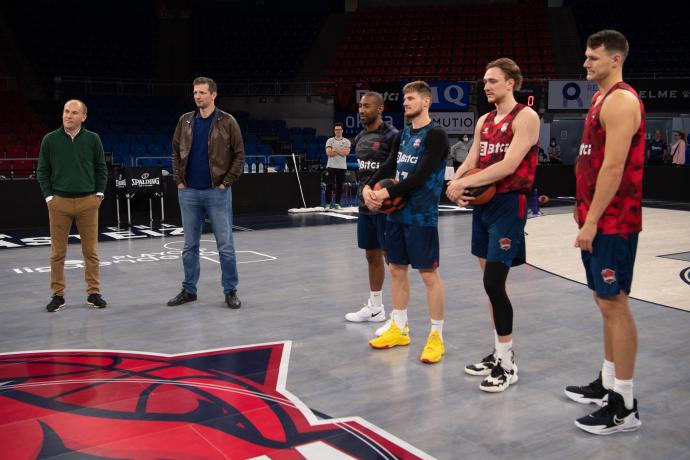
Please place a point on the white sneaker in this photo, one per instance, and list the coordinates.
(367, 314)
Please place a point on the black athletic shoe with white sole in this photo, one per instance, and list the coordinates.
(614, 417)
(500, 378)
(483, 367)
(56, 304)
(593, 393)
(96, 301)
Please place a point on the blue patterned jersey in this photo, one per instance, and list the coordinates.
(421, 208)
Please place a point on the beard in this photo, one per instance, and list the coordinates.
(412, 114)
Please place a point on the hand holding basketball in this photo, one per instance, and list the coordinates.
(389, 205)
(482, 194)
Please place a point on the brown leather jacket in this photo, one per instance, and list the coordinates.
(225, 148)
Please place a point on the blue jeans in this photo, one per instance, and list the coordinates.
(195, 205)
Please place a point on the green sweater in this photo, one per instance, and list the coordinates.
(71, 168)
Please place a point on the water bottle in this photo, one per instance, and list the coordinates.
(253, 168)
(246, 168)
(261, 167)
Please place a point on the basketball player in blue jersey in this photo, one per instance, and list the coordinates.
(418, 162)
(506, 152)
(372, 147)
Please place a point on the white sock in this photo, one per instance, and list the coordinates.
(495, 340)
(399, 317)
(437, 325)
(608, 374)
(503, 353)
(376, 300)
(625, 389)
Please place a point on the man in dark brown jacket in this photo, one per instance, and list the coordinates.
(208, 156)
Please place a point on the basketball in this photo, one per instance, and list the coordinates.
(482, 194)
(389, 206)
(543, 200)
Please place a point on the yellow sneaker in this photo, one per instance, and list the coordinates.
(393, 337)
(433, 350)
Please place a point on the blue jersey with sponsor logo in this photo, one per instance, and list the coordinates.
(421, 207)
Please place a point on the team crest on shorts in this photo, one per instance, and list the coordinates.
(608, 275)
(227, 403)
(505, 243)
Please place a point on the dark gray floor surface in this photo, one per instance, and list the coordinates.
(317, 276)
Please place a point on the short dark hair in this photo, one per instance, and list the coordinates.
(374, 95)
(336, 124)
(212, 87)
(612, 40)
(510, 69)
(418, 86)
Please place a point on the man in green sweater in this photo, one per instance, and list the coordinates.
(72, 174)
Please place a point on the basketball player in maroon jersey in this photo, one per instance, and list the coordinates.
(609, 215)
(507, 155)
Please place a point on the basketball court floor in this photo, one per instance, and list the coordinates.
(286, 376)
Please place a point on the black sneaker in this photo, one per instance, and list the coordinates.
(614, 417)
(182, 297)
(483, 367)
(57, 303)
(232, 300)
(96, 301)
(500, 378)
(594, 393)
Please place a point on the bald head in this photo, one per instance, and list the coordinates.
(73, 115)
(81, 104)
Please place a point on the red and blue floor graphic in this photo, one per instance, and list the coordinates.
(227, 403)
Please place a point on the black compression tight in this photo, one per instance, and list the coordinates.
(495, 275)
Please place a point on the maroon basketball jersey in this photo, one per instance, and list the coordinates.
(494, 142)
(624, 214)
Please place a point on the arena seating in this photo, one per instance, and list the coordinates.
(252, 45)
(441, 42)
(89, 39)
(652, 54)
(21, 131)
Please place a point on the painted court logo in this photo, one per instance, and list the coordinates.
(685, 275)
(608, 275)
(229, 403)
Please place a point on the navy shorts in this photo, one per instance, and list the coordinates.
(498, 229)
(609, 267)
(371, 229)
(412, 245)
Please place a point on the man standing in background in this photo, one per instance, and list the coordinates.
(337, 149)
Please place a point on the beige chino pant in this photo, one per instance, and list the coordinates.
(62, 212)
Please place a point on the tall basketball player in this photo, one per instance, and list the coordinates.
(372, 147)
(609, 215)
(418, 161)
(507, 155)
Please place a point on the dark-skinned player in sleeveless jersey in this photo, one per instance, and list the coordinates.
(507, 155)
